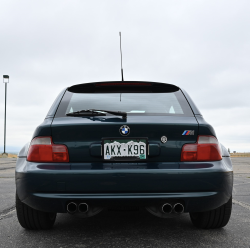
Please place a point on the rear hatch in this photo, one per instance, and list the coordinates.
(83, 136)
(153, 111)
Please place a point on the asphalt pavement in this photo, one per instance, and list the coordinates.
(126, 229)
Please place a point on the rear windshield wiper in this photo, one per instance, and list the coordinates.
(94, 112)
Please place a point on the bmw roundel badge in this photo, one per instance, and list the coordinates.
(124, 130)
(164, 139)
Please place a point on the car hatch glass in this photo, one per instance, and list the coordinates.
(173, 103)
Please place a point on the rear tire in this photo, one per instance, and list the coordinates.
(215, 218)
(33, 219)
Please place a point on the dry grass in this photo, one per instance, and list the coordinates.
(245, 154)
(9, 155)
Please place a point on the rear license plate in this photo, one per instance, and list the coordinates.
(125, 149)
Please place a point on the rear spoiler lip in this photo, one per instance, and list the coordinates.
(151, 82)
(99, 87)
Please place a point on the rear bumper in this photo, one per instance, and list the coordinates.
(50, 190)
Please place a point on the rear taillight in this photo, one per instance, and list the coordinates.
(207, 148)
(42, 149)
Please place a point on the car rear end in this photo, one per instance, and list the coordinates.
(162, 155)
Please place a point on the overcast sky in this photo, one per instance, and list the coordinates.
(201, 46)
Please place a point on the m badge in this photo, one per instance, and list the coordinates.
(188, 132)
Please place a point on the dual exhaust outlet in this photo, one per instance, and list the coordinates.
(73, 207)
(168, 208)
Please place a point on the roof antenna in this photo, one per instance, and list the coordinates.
(121, 53)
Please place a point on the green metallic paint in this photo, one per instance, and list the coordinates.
(204, 127)
(50, 186)
(79, 134)
(153, 183)
(44, 129)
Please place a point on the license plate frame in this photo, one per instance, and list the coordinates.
(125, 158)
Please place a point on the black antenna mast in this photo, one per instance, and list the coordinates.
(121, 53)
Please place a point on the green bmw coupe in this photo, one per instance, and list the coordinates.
(126, 144)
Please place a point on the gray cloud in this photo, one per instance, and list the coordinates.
(202, 46)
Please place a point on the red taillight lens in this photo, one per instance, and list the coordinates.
(43, 150)
(206, 149)
(60, 153)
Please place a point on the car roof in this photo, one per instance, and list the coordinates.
(93, 87)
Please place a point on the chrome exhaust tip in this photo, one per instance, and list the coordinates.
(167, 208)
(178, 208)
(71, 207)
(83, 208)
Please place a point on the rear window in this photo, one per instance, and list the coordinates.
(170, 103)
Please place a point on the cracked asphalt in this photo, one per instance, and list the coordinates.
(126, 229)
